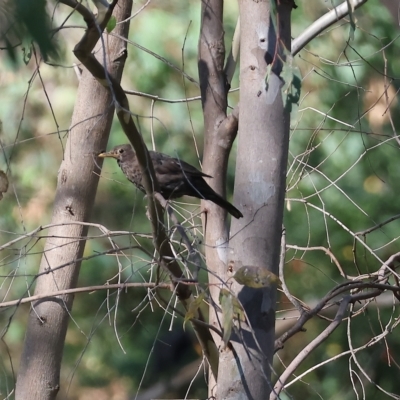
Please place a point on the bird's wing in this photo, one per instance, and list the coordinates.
(164, 164)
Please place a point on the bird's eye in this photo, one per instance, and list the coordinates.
(120, 151)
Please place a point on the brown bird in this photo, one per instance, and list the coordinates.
(175, 177)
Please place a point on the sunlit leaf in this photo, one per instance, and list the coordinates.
(238, 311)
(225, 299)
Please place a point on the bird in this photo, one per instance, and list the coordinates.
(175, 177)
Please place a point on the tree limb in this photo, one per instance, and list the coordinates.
(323, 23)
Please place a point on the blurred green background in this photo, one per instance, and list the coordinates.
(343, 160)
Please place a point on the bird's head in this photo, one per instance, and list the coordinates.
(120, 153)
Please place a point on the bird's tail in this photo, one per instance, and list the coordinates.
(201, 189)
(220, 201)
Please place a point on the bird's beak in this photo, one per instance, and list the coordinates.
(108, 154)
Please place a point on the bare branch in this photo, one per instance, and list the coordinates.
(309, 348)
(119, 286)
(323, 23)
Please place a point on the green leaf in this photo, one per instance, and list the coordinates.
(112, 23)
(255, 277)
(33, 24)
(292, 83)
(225, 299)
(231, 309)
(238, 311)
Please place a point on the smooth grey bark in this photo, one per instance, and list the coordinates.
(39, 371)
(219, 134)
(245, 370)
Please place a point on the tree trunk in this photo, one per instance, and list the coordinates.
(245, 371)
(39, 372)
(219, 133)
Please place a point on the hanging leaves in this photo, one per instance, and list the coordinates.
(231, 309)
(291, 78)
(225, 299)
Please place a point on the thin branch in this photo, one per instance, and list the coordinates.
(119, 286)
(310, 347)
(378, 226)
(323, 23)
(163, 59)
(285, 289)
(350, 286)
(326, 251)
(158, 98)
(342, 225)
(192, 253)
(164, 100)
(369, 344)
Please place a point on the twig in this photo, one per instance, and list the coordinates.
(326, 251)
(285, 289)
(378, 226)
(322, 23)
(310, 347)
(192, 252)
(119, 286)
